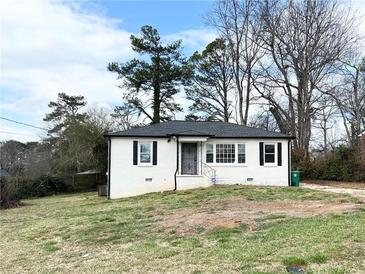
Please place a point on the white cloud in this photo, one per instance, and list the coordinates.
(194, 38)
(48, 47)
(51, 33)
(38, 86)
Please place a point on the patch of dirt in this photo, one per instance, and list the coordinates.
(104, 236)
(230, 213)
(340, 184)
(335, 189)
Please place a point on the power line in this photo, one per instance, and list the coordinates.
(21, 123)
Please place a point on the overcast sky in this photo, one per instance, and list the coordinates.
(64, 46)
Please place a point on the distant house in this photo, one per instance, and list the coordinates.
(182, 155)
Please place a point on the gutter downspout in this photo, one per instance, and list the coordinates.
(289, 163)
(109, 158)
(177, 162)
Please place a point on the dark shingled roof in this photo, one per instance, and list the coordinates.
(209, 129)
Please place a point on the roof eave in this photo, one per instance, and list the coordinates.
(191, 135)
(255, 137)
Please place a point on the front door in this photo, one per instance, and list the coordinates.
(189, 159)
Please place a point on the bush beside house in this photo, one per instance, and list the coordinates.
(341, 164)
(8, 193)
(44, 185)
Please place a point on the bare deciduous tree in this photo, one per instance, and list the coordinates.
(326, 110)
(212, 84)
(237, 22)
(304, 40)
(11, 157)
(349, 96)
(264, 120)
(127, 117)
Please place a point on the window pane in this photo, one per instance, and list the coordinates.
(209, 148)
(145, 148)
(241, 153)
(145, 158)
(210, 158)
(241, 148)
(145, 153)
(225, 153)
(209, 153)
(269, 149)
(269, 158)
(241, 158)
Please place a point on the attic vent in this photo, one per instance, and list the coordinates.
(249, 179)
(148, 179)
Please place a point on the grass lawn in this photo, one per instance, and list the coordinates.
(230, 229)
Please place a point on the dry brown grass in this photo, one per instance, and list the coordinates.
(230, 213)
(238, 229)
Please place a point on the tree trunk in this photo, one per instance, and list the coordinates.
(357, 114)
(239, 90)
(157, 93)
(226, 111)
(304, 115)
(325, 145)
(248, 91)
(156, 104)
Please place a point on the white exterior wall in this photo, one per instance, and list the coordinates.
(127, 179)
(262, 175)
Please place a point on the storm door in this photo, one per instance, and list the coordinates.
(189, 159)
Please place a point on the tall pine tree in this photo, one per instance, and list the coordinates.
(65, 112)
(153, 80)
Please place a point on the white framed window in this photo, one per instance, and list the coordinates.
(241, 153)
(209, 153)
(225, 153)
(145, 153)
(269, 154)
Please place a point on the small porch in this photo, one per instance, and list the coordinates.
(193, 171)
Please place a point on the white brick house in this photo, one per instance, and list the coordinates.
(180, 155)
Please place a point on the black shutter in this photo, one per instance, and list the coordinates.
(135, 153)
(261, 153)
(279, 155)
(154, 153)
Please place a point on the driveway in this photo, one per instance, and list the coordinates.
(354, 192)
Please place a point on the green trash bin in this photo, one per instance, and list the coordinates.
(295, 178)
